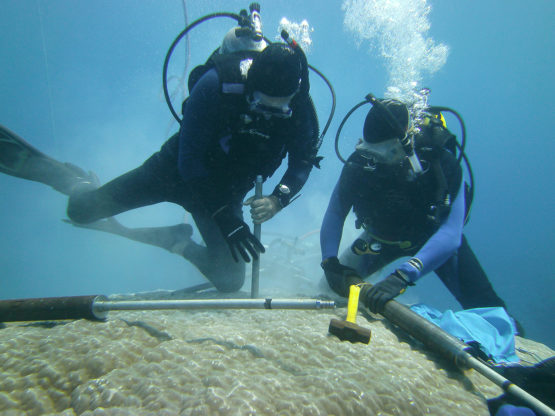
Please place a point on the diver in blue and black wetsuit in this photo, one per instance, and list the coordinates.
(403, 212)
(246, 112)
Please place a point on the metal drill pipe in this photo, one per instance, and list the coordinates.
(97, 306)
(132, 305)
(257, 233)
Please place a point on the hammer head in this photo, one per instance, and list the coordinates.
(348, 331)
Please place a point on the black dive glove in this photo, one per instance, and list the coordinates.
(340, 277)
(237, 235)
(381, 293)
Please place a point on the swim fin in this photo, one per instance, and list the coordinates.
(18, 158)
(174, 238)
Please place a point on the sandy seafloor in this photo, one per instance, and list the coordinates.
(230, 362)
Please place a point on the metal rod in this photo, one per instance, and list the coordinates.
(136, 305)
(96, 307)
(257, 233)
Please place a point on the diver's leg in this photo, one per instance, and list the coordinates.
(18, 158)
(364, 264)
(154, 181)
(214, 260)
(367, 264)
(131, 190)
(465, 278)
(448, 273)
(172, 237)
(467, 281)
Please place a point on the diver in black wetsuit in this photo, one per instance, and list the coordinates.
(404, 212)
(244, 115)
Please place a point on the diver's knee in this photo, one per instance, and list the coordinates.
(230, 283)
(79, 209)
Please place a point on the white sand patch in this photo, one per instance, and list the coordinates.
(228, 363)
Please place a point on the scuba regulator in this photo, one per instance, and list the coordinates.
(251, 25)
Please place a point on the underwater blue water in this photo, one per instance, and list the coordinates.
(81, 81)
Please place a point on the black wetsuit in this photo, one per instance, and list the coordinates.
(212, 161)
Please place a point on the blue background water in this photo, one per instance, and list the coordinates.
(81, 81)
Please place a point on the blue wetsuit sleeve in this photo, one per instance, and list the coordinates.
(334, 219)
(198, 126)
(441, 245)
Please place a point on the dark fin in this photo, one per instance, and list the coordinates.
(173, 238)
(18, 158)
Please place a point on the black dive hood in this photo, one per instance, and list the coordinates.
(399, 131)
(249, 26)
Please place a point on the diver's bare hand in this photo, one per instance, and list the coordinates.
(264, 208)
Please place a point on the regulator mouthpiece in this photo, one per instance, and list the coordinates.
(406, 138)
(408, 147)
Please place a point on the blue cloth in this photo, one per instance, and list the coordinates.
(510, 410)
(492, 328)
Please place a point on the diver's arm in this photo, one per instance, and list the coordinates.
(294, 179)
(334, 220)
(198, 130)
(441, 245)
(301, 152)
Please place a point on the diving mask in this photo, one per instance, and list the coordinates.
(389, 153)
(269, 106)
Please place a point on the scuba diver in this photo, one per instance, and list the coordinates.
(405, 186)
(249, 107)
(242, 118)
